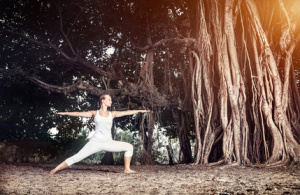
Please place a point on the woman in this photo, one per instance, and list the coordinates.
(102, 139)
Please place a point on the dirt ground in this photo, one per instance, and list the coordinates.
(157, 179)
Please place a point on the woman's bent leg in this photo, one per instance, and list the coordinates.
(127, 160)
(117, 146)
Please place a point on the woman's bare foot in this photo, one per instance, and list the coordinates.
(129, 171)
(52, 171)
(61, 166)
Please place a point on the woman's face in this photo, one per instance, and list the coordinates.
(107, 101)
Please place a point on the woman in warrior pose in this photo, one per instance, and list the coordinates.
(102, 139)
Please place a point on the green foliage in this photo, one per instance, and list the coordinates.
(25, 111)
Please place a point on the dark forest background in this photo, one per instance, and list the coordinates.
(54, 57)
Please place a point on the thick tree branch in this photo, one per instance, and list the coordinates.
(189, 41)
(150, 99)
(79, 85)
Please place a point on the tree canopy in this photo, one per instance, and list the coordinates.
(208, 70)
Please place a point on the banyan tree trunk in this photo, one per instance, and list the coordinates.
(275, 103)
(235, 61)
(146, 82)
(146, 134)
(183, 134)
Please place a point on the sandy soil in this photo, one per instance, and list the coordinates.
(158, 179)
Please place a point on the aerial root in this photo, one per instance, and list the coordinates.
(220, 162)
(278, 163)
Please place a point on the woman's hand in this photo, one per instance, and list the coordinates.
(61, 113)
(143, 111)
(116, 114)
(79, 114)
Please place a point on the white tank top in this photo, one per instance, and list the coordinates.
(103, 127)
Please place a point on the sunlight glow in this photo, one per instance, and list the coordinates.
(53, 131)
(296, 10)
(110, 51)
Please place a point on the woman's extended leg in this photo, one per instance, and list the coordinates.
(90, 148)
(61, 166)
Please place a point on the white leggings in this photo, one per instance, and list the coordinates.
(95, 146)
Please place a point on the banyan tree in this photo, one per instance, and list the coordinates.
(222, 68)
(244, 90)
(244, 60)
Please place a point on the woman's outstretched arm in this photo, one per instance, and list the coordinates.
(88, 114)
(116, 114)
